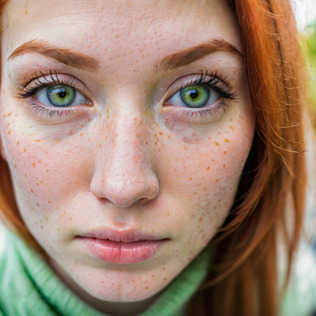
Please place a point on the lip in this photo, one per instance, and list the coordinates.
(123, 247)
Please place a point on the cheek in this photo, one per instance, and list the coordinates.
(44, 172)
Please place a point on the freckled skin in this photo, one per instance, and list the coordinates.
(128, 161)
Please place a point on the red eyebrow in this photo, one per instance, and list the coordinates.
(192, 54)
(63, 55)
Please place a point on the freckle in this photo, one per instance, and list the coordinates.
(208, 168)
(146, 287)
(224, 166)
(232, 127)
(58, 229)
(200, 219)
(160, 133)
(203, 237)
(163, 268)
(216, 143)
(100, 145)
(164, 279)
(193, 215)
(195, 193)
(49, 202)
(217, 180)
(38, 140)
(70, 218)
(37, 204)
(47, 170)
(81, 135)
(225, 152)
(18, 143)
(146, 143)
(156, 143)
(226, 140)
(9, 114)
(9, 132)
(152, 276)
(33, 164)
(190, 179)
(24, 150)
(32, 191)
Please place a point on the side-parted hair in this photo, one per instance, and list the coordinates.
(269, 206)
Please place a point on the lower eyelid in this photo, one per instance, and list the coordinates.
(204, 115)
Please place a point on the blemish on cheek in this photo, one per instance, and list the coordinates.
(224, 152)
(217, 180)
(38, 141)
(226, 140)
(18, 143)
(216, 143)
(190, 179)
(33, 164)
(208, 168)
(224, 166)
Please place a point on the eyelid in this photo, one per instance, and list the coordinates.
(199, 78)
(43, 80)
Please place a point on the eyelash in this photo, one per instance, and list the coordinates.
(214, 81)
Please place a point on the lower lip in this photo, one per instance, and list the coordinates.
(123, 252)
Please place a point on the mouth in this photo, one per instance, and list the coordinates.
(122, 247)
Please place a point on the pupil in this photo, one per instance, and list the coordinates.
(193, 94)
(62, 94)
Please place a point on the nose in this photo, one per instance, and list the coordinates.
(124, 174)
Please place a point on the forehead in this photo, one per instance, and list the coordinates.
(117, 24)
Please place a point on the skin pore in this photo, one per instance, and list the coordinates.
(126, 154)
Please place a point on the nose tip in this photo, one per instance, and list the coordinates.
(126, 191)
(123, 188)
(136, 191)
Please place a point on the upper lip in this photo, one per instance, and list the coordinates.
(127, 235)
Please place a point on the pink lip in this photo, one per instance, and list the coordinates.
(124, 247)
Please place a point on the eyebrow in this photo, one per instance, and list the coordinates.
(85, 62)
(63, 55)
(195, 53)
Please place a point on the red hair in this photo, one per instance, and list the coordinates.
(243, 275)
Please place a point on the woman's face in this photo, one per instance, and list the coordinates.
(126, 126)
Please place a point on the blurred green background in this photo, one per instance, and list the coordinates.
(309, 48)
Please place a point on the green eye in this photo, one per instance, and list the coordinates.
(195, 96)
(61, 95)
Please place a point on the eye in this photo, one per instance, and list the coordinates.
(61, 96)
(194, 96)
